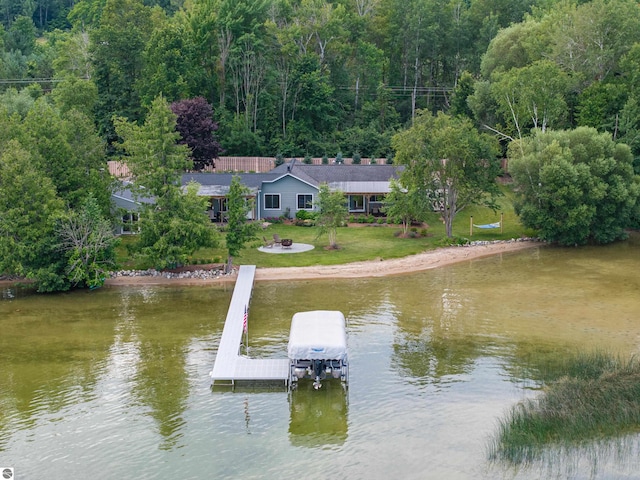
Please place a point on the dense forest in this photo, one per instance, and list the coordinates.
(557, 82)
(317, 77)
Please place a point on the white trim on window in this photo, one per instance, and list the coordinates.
(308, 203)
(279, 207)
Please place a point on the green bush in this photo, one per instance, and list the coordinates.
(455, 240)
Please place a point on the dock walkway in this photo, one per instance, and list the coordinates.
(230, 365)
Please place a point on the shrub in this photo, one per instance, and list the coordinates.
(455, 240)
(279, 160)
(325, 160)
(307, 160)
(356, 159)
(381, 221)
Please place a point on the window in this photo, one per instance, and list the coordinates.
(130, 222)
(356, 203)
(272, 201)
(305, 201)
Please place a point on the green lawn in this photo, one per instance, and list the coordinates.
(367, 242)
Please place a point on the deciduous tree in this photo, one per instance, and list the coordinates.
(574, 186)
(239, 230)
(447, 160)
(332, 211)
(197, 130)
(405, 205)
(86, 238)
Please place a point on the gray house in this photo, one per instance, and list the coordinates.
(294, 186)
(283, 191)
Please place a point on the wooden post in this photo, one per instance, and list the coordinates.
(471, 226)
(501, 222)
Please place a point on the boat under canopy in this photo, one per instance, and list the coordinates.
(318, 346)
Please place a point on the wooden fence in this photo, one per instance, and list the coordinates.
(243, 164)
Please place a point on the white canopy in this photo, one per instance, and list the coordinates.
(318, 335)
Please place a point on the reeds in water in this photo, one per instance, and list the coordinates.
(597, 397)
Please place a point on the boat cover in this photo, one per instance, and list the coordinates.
(318, 335)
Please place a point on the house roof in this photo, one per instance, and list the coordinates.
(124, 197)
(217, 184)
(346, 178)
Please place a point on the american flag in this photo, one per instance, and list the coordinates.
(244, 320)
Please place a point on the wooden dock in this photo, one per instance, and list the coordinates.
(230, 365)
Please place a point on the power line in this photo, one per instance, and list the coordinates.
(18, 81)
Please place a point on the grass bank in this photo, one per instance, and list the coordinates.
(587, 397)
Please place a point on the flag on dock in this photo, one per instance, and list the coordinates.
(244, 320)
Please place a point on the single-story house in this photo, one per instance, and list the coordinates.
(285, 190)
(294, 186)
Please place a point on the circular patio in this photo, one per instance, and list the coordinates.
(294, 248)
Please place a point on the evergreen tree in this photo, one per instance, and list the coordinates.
(176, 225)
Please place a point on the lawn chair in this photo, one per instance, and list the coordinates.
(267, 243)
(276, 239)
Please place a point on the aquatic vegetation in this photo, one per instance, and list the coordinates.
(597, 397)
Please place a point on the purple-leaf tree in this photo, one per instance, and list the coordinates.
(197, 130)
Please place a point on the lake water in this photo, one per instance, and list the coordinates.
(114, 383)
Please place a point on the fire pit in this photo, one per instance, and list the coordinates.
(287, 242)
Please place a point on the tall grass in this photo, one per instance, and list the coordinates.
(591, 397)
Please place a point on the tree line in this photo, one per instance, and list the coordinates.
(289, 77)
(551, 84)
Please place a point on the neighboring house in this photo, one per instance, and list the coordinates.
(284, 190)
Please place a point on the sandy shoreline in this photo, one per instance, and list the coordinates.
(373, 268)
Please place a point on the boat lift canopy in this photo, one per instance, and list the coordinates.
(318, 335)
